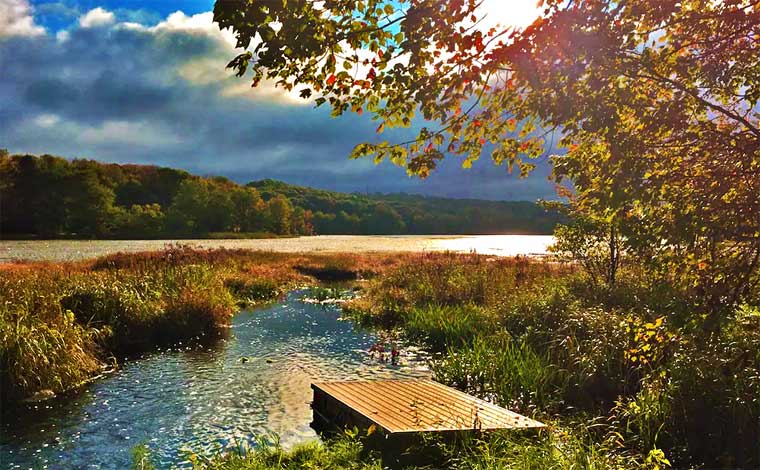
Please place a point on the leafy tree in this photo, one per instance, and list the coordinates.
(141, 221)
(186, 212)
(301, 221)
(52, 196)
(655, 103)
(218, 214)
(88, 204)
(248, 209)
(595, 243)
(345, 223)
(383, 220)
(280, 211)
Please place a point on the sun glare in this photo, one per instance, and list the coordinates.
(506, 13)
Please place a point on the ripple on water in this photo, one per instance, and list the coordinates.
(203, 398)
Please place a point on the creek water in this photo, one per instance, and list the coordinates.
(255, 381)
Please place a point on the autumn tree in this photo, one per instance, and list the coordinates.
(249, 209)
(280, 211)
(653, 104)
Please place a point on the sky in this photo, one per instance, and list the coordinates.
(136, 81)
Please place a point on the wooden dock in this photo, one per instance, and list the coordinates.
(398, 407)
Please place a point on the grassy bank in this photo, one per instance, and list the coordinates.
(626, 374)
(61, 324)
(626, 377)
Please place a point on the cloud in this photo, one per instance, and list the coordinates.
(16, 19)
(47, 120)
(159, 94)
(96, 17)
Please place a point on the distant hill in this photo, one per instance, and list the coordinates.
(337, 213)
(49, 196)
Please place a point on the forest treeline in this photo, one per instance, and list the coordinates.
(49, 196)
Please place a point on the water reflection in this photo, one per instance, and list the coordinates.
(255, 381)
(69, 250)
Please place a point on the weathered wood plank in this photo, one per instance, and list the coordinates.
(411, 406)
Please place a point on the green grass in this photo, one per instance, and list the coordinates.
(568, 448)
(551, 449)
(441, 327)
(540, 339)
(339, 454)
(502, 370)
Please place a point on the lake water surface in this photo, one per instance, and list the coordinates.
(69, 250)
(203, 397)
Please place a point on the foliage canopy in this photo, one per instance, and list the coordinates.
(654, 103)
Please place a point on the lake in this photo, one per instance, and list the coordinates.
(72, 250)
(256, 381)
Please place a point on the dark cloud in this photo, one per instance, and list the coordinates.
(161, 96)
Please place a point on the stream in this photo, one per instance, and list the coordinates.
(253, 382)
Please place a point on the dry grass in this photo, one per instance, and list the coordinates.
(60, 322)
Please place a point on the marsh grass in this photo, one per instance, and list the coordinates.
(565, 448)
(60, 323)
(441, 327)
(626, 376)
(539, 338)
(504, 371)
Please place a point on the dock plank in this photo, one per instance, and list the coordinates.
(413, 406)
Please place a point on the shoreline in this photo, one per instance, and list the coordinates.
(77, 250)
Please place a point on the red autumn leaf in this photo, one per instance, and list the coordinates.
(331, 79)
(477, 123)
(360, 111)
(429, 147)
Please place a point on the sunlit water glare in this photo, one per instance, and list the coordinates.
(203, 397)
(69, 250)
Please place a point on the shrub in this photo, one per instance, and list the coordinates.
(643, 417)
